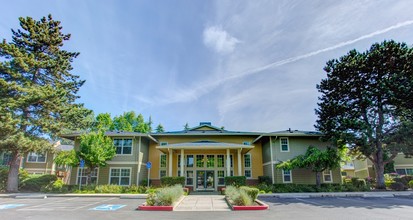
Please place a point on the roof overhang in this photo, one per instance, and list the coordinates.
(73, 136)
(205, 146)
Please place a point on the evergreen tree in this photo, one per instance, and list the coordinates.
(38, 92)
(159, 129)
(186, 127)
(366, 99)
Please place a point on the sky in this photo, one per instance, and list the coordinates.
(245, 65)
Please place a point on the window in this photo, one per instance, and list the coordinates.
(163, 160)
(189, 160)
(123, 146)
(7, 157)
(82, 176)
(287, 176)
(164, 143)
(247, 165)
(189, 177)
(220, 161)
(246, 143)
(119, 176)
(284, 145)
(199, 160)
(247, 173)
(36, 158)
(403, 171)
(327, 176)
(162, 173)
(210, 161)
(221, 177)
(179, 161)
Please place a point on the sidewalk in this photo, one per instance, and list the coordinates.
(388, 194)
(203, 203)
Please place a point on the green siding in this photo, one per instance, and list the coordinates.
(305, 176)
(297, 146)
(401, 160)
(266, 152)
(362, 173)
(267, 170)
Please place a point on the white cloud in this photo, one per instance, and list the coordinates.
(219, 40)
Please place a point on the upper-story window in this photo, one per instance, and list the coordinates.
(163, 143)
(36, 157)
(123, 146)
(246, 143)
(284, 145)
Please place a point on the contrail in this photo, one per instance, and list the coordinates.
(194, 93)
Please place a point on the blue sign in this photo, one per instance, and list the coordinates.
(148, 165)
(108, 207)
(10, 206)
(82, 163)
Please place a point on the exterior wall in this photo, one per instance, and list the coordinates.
(306, 176)
(362, 173)
(297, 146)
(266, 152)
(39, 167)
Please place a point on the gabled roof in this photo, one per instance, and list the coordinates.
(205, 128)
(72, 136)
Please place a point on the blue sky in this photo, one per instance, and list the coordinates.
(245, 65)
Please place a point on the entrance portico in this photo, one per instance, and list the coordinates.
(205, 163)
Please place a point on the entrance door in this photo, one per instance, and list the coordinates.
(205, 180)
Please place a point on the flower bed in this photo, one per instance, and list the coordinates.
(243, 198)
(163, 199)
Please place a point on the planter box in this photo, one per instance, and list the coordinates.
(145, 207)
(261, 206)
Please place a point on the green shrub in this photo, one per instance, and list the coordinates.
(164, 196)
(358, 182)
(243, 199)
(411, 184)
(4, 172)
(109, 189)
(235, 181)
(397, 186)
(264, 179)
(134, 189)
(144, 182)
(173, 180)
(388, 182)
(251, 192)
(57, 186)
(34, 183)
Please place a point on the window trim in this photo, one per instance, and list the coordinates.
(131, 150)
(160, 161)
(331, 176)
(77, 174)
(291, 176)
(130, 174)
(281, 145)
(249, 168)
(37, 158)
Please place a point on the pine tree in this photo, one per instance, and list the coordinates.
(37, 90)
(159, 129)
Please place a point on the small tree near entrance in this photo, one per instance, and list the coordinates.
(314, 159)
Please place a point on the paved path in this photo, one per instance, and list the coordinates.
(203, 203)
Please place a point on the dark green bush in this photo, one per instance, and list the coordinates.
(407, 178)
(411, 184)
(172, 180)
(55, 187)
(397, 186)
(251, 192)
(35, 182)
(4, 172)
(358, 182)
(235, 180)
(144, 182)
(264, 179)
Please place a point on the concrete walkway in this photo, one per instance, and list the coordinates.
(203, 203)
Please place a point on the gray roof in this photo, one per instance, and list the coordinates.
(64, 147)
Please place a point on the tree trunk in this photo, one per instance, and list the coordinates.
(318, 179)
(13, 177)
(379, 170)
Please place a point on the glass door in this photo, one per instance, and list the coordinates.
(205, 180)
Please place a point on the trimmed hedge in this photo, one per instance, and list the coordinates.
(235, 180)
(397, 186)
(291, 187)
(164, 196)
(264, 179)
(35, 182)
(173, 180)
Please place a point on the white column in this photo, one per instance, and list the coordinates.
(239, 162)
(170, 162)
(228, 163)
(182, 162)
